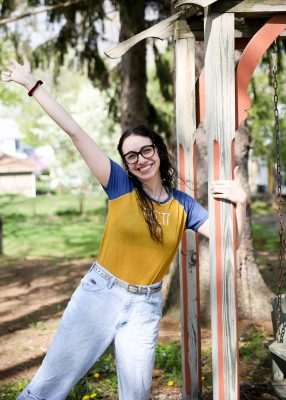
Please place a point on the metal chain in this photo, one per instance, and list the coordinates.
(280, 329)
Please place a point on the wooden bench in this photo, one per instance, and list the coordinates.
(278, 351)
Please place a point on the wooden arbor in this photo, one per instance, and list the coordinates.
(224, 26)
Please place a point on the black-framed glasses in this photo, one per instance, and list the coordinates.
(146, 151)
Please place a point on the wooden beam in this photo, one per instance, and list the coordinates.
(162, 30)
(280, 389)
(188, 255)
(246, 32)
(245, 28)
(279, 349)
(220, 128)
(202, 3)
(250, 6)
(238, 6)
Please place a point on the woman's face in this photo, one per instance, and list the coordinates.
(145, 168)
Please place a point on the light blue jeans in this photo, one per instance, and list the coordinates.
(98, 314)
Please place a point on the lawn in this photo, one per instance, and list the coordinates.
(52, 226)
(36, 230)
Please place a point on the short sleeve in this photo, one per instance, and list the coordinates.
(197, 216)
(119, 183)
(196, 213)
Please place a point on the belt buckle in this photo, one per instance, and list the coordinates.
(133, 289)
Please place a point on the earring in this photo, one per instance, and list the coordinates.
(129, 174)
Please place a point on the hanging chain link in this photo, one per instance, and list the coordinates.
(281, 256)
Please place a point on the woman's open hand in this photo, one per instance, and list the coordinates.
(18, 73)
(230, 189)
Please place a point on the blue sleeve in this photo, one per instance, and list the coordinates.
(118, 183)
(196, 214)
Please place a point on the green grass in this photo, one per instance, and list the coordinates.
(101, 380)
(254, 349)
(52, 226)
(168, 359)
(48, 204)
(265, 237)
(265, 234)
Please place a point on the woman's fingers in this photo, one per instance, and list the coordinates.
(220, 188)
(11, 68)
(219, 196)
(26, 61)
(229, 189)
(237, 172)
(16, 64)
(221, 181)
(6, 77)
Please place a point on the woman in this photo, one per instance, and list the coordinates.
(119, 300)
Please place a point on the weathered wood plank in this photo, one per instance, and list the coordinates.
(280, 389)
(279, 349)
(220, 128)
(202, 3)
(238, 6)
(250, 6)
(186, 127)
(245, 32)
(162, 30)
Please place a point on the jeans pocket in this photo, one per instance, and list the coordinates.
(155, 299)
(93, 282)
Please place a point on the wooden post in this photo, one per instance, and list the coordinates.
(1, 236)
(220, 128)
(186, 127)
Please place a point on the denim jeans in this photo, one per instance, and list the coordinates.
(98, 314)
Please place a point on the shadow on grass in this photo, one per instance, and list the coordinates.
(23, 322)
(22, 366)
(33, 290)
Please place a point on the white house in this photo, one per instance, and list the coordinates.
(17, 175)
(10, 136)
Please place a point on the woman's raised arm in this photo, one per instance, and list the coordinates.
(97, 161)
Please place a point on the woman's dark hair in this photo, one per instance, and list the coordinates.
(168, 173)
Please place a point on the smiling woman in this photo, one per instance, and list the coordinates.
(119, 300)
(148, 164)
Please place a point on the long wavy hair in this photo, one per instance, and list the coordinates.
(169, 177)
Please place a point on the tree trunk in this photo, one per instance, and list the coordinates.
(1, 236)
(133, 98)
(253, 294)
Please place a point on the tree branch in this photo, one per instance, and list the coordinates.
(5, 21)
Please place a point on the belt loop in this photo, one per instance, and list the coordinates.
(148, 293)
(111, 283)
(91, 268)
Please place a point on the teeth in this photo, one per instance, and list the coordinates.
(146, 168)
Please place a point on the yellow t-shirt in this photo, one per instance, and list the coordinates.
(127, 249)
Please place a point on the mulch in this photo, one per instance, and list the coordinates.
(248, 391)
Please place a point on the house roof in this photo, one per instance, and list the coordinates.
(10, 164)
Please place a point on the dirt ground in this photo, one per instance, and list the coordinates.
(33, 295)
